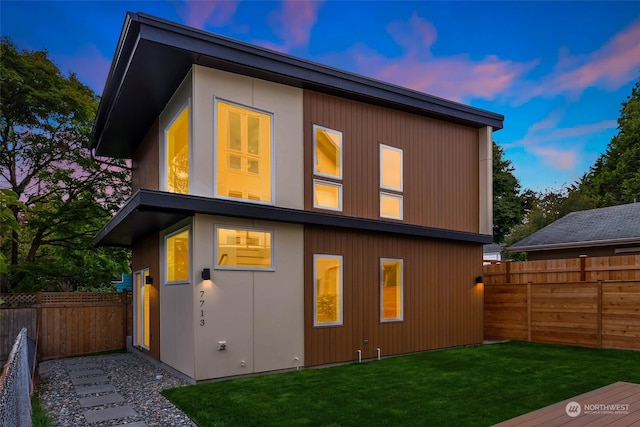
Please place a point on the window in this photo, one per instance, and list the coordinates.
(391, 181)
(244, 249)
(244, 153)
(327, 290)
(142, 298)
(177, 155)
(177, 257)
(327, 163)
(391, 289)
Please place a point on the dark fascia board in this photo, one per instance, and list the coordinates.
(150, 211)
(159, 53)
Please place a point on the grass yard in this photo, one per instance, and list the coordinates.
(473, 386)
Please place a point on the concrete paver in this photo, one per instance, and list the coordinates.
(99, 415)
(91, 389)
(89, 380)
(85, 372)
(105, 399)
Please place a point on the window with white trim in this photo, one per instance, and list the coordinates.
(327, 290)
(391, 182)
(327, 168)
(239, 248)
(177, 257)
(391, 289)
(176, 138)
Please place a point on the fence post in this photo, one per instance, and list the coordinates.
(529, 311)
(599, 313)
(508, 265)
(583, 259)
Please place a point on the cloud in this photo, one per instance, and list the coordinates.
(88, 63)
(609, 67)
(199, 14)
(292, 24)
(549, 142)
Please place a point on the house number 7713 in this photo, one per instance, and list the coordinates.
(201, 308)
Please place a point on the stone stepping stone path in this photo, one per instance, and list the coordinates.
(89, 378)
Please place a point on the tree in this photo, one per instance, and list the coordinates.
(66, 193)
(614, 179)
(509, 204)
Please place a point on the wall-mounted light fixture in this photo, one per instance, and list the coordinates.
(148, 280)
(206, 274)
(478, 279)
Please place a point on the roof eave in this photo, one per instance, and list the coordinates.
(571, 245)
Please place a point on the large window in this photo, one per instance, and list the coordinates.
(327, 164)
(244, 249)
(391, 289)
(244, 153)
(177, 256)
(177, 155)
(391, 182)
(327, 290)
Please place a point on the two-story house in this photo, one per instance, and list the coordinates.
(287, 214)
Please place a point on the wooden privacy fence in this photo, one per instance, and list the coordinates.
(74, 323)
(592, 302)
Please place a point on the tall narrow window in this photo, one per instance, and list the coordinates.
(244, 153)
(177, 155)
(177, 257)
(327, 290)
(391, 289)
(244, 249)
(142, 298)
(327, 164)
(391, 203)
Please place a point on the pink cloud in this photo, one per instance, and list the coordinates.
(198, 14)
(88, 63)
(611, 66)
(422, 34)
(293, 24)
(565, 160)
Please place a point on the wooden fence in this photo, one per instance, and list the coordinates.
(592, 302)
(70, 323)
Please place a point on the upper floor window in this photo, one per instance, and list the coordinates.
(244, 150)
(391, 200)
(244, 248)
(177, 155)
(176, 246)
(327, 164)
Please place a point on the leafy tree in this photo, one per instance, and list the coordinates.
(66, 194)
(509, 204)
(614, 179)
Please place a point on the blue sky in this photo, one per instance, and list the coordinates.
(558, 71)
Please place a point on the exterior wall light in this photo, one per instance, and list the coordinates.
(478, 279)
(148, 280)
(206, 274)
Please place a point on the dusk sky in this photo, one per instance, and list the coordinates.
(558, 71)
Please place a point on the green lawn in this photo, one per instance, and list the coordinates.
(473, 386)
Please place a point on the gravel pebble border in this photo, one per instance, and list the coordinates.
(134, 378)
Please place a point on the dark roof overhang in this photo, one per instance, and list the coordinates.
(150, 211)
(154, 55)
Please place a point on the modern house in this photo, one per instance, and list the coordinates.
(614, 230)
(287, 214)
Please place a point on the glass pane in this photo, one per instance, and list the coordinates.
(177, 139)
(327, 195)
(248, 175)
(328, 289)
(147, 303)
(242, 248)
(328, 146)
(177, 247)
(391, 168)
(391, 292)
(390, 206)
(235, 142)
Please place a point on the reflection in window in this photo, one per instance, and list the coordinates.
(391, 289)
(244, 152)
(327, 152)
(177, 141)
(390, 168)
(327, 271)
(327, 195)
(244, 249)
(177, 256)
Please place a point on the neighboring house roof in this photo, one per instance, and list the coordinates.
(491, 248)
(154, 55)
(614, 225)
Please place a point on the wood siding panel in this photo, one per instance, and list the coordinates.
(146, 254)
(145, 171)
(441, 161)
(442, 303)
